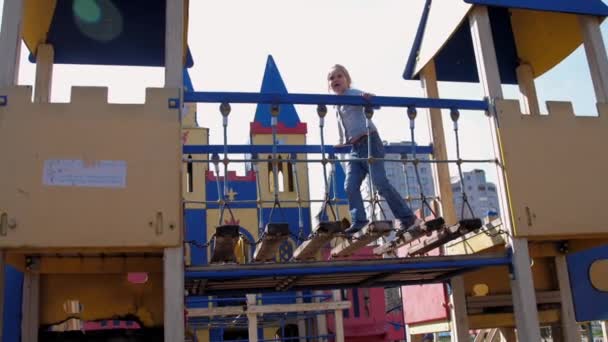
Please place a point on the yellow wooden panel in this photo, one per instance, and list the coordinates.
(95, 265)
(475, 243)
(37, 17)
(203, 335)
(103, 296)
(544, 39)
(555, 165)
(502, 320)
(194, 190)
(598, 275)
(498, 281)
(265, 180)
(137, 204)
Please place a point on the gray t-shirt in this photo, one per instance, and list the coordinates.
(351, 120)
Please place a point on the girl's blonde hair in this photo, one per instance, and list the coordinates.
(341, 68)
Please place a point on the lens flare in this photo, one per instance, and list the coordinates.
(87, 10)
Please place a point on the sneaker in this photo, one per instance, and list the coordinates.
(355, 227)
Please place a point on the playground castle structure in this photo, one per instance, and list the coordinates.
(76, 218)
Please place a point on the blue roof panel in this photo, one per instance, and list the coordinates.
(273, 83)
(128, 33)
(591, 7)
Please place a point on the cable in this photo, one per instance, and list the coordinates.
(455, 115)
(412, 113)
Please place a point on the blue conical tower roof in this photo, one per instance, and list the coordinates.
(273, 83)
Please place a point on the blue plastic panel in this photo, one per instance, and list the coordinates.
(590, 304)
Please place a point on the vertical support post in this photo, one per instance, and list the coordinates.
(30, 306)
(596, 55)
(522, 285)
(604, 330)
(2, 280)
(173, 272)
(301, 321)
(458, 309)
(569, 327)
(10, 42)
(174, 44)
(174, 320)
(338, 319)
(45, 56)
(321, 319)
(252, 319)
(527, 89)
(10, 49)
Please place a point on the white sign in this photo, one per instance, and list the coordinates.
(96, 174)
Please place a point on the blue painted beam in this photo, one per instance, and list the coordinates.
(210, 149)
(314, 99)
(298, 269)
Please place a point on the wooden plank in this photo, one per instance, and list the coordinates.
(527, 89)
(44, 73)
(321, 318)
(225, 240)
(338, 318)
(174, 257)
(459, 322)
(252, 319)
(323, 234)
(526, 313)
(30, 308)
(308, 249)
(268, 308)
(438, 238)
(570, 331)
(365, 236)
(405, 237)
(274, 235)
(493, 301)
(301, 321)
(442, 176)
(174, 44)
(10, 42)
(596, 55)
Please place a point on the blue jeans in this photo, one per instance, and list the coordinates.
(356, 170)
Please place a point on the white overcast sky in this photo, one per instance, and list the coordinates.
(231, 39)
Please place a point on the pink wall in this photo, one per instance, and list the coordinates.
(424, 303)
(368, 320)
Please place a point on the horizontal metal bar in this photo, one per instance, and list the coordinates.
(315, 99)
(329, 149)
(298, 270)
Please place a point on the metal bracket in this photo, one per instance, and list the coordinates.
(3, 100)
(174, 103)
(32, 263)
